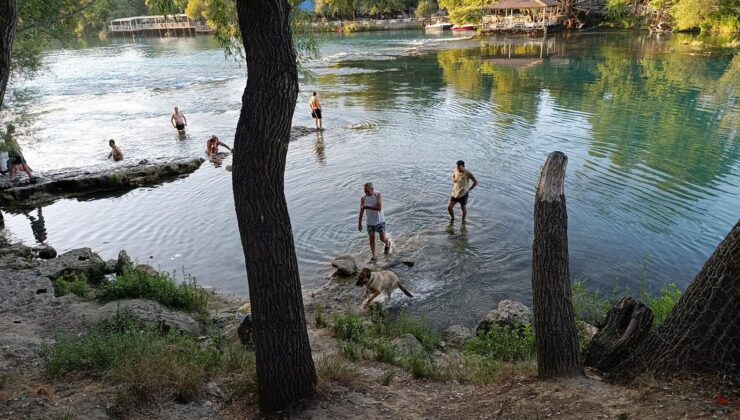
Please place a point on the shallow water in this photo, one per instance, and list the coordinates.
(649, 126)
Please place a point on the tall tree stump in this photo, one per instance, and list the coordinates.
(702, 332)
(554, 324)
(285, 368)
(626, 326)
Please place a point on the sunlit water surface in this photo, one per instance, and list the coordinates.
(650, 129)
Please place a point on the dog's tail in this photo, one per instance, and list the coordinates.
(405, 292)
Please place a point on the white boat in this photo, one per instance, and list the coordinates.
(438, 27)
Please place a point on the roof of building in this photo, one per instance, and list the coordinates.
(525, 4)
(128, 19)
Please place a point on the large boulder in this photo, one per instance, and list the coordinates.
(509, 313)
(406, 345)
(45, 252)
(147, 269)
(73, 263)
(123, 262)
(143, 309)
(456, 335)
(345, 265)
(24, 288)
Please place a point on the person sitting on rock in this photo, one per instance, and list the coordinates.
(212, 146)
(115, 151)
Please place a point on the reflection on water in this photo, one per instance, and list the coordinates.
(650, 129)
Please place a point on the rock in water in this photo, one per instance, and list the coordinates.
(123, 262)
(457, 335)
(406, 345)
(45, 252)
(508, 314)
(345, 265)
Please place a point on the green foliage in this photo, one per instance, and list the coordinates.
(422, 366)
(78, 286)
(318, 316)
(386, 378)
(663, 304)
(135, 284)
(589, 305)
(504, 343)
(465, 11)
(720, 16)
(418, 328)
(334, 369)
(384, 351)
(426, 8)
(348, 326)
(352, 350)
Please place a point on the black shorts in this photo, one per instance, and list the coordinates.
(16, 159)
(180, 127)
(316, 113)
(462, 200)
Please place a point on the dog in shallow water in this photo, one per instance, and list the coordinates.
(376, 282)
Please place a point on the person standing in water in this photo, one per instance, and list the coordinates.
(178, 120)
(15, 156)
(461, 187)
(316, 110)
(115, 151)
(371, 203)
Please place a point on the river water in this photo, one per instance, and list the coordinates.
(649, 125)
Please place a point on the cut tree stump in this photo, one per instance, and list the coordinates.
(558, 352)
(626, 326)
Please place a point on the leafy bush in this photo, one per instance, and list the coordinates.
(663, 304)
(348, 326)
(418, 328)
(504, 343)
(78, 286)
(318, 316)
(136, 284)
(352, 350)
(421, 366)
(590, 306)
(384, 352)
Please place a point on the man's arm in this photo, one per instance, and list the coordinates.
(185, 121)
(109, 155)
(378, 207)
(362, 213)
(224, 145)
(475, 181)
(172, 120)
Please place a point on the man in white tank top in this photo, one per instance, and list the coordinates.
(371, 204)
(461, 179)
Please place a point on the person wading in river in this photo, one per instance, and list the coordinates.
(15, 156)
(178, 120)
(461, 187)
(115, 151)
(371, 204)
(316, 110)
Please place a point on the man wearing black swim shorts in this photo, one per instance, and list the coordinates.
(315, 110)
(461, 187)
(178, 120)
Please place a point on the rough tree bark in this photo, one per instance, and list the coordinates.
(554, 324)
(626, 326)
(285, 369)
(8, 26)
(702, 332)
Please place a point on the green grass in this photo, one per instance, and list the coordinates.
(145, 363)
(348, 326)
(663, 304)
(78, 286)
(135, 284)
(335, 369)
(386, 378)
(504, 343)
(422, 366)
(318, 316)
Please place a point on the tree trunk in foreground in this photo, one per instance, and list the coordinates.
(8, 25)
(285, 369)
(554, 324)
(627, 324)
(702, 332)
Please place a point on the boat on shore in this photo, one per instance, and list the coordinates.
(438, 27)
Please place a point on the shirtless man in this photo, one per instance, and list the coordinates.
(315, 110)
(115, 151)
(178, 120)
(371, 204)
(212, 146)
(461, 187)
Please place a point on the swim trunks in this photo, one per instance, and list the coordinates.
(462, 200)
(316, 113)
(180, 127)
(380, 228)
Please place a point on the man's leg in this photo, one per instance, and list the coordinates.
(464, 208)
(372, 242)
(27, 170)
(450, 207)
(13, 170)
(386, 240)
(320, 124)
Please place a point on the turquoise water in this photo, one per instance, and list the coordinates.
(649, 124)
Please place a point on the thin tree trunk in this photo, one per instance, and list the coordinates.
(285, 369)
(8, 25)
(554, 324)
(702, 332)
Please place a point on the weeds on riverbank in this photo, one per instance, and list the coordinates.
(146, 363)
(138, 284)
(78, 286)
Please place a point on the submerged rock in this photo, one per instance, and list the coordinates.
(457, 335)
(345, 265)
(509, 313)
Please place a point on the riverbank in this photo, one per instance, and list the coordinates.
(84, 338)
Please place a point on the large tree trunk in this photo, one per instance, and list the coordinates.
(8, 25)
(285, 369)
(702, 332)
(554, 324)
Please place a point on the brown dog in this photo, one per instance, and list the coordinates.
(376, 282)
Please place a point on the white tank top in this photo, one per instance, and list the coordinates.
(374, 217)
